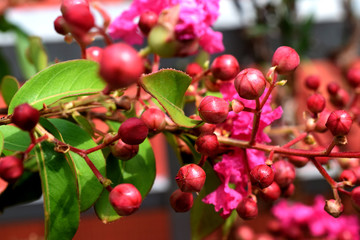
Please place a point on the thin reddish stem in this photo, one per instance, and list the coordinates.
(247, 169)
(256, 122)
(202, 160)
(324, 173)
(295, 140)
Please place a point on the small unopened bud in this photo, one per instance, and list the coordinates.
(193, 69)
(353, 76)
(11, 168)
(355, 198)
(281, 83)
(333, 207)
(285, 59)
(79, 16)
(181, 201)
(340, 99)
(125, 198)
(309, 139)
(298, 161)
(133, 131)
(25, 117)
(284, 173)
(213, 109)
(207, 144)
(339, 122)
(154, 119)
(147, 21)
(333, 88)
(348, 176)
(225, 67)
(124, 151)
(271, 75)
(190, 178)
(250, 83)
(271, 193)
(262, 176)
(60, 26)
(94, 54)
(316, 103)
(288, 191)
(237, 106)
(247, 208)
(312, 82)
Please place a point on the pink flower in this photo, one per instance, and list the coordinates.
(195, 19)
(319, 222)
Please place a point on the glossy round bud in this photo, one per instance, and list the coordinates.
(225, 67)
(181, 201)
(120, 65)
(193, 69)
(11, 168)
(190, 178)
(333, 88)
(124, 151)
(125, 198)
(262, 176)
(353, 77)
(298, 161)
(284, 173)
(25, 117)
(333, 207)
(316, 103)
(312, 82)
(133, 131)
(79, 16)
(286, 60)
(68, 4)
(250, 83)
(147, 21)
(271, 193)
(94, 54)
(59, 25)
(348, 176)
(288, 191)
(213, 109)
(339, 123)
(207, 144)
(247, 209)
(355, 198)
(340, 99)
(154, 119)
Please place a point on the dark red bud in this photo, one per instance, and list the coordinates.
(25, 117)
(154, 119)
(11, 168)
(193, 69)
(67, 4)
(353, 77)
(349, 176)
(181, 201)
(333, 207)
(355, 198)
(125, 198)
(124, 151)
(316, 103)
(250, 83)
(94, 54)
(340, 99)
(284, 173)
(285, 59)
(262, 176)
(80, 17)
(247, 208)
(225, 67)
(312, 82)
(133, 131)
(59, 25)
(120, 65)
(288, 191)
(271, 193)
(207, 128)
(333, 88)
(147, 21)
(190, 178)
(298, 161)
(207, 144)
(213, 109)
(339, 123)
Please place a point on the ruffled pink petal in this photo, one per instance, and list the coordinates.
(211, 41)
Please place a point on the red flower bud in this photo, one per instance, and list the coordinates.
(262, 176)
(125, 199)
(271, 193)
(247, 208)
(285, 59)
(25, 117)
(284, 173)
(190, 178)
(349, 176)
(147, 21)
(298, 161)
(333, 88)
(206, 128)
(250, 83)
(312, 82)
(333, 207)
(353, 77)
(59, 25)
(340, 99)
(339, 123)
(154, 119)
(316, 103)
(225, 67)
(288, 191)
(11, 168)
(355, 198)
(120, 65)
(207, 144)
(193, 69)
(181, 201)
(79, 16)
(133, 131)
(213, 109)
(67, 4)
(124, 151)
(94, 54)
(237, 106)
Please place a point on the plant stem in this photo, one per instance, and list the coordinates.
(324, 173)
(256, 122)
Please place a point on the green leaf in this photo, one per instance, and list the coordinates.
(83, 122)
(36, 53)
(14, 138)
(57, 81)
(9, 86)
(89, 186)
(21, 45)
(204, 219)
(139, 171)
(168, 86)
(61, 204)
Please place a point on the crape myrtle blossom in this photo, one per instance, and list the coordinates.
(231, 169)
(195, 19)
(316, 220)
